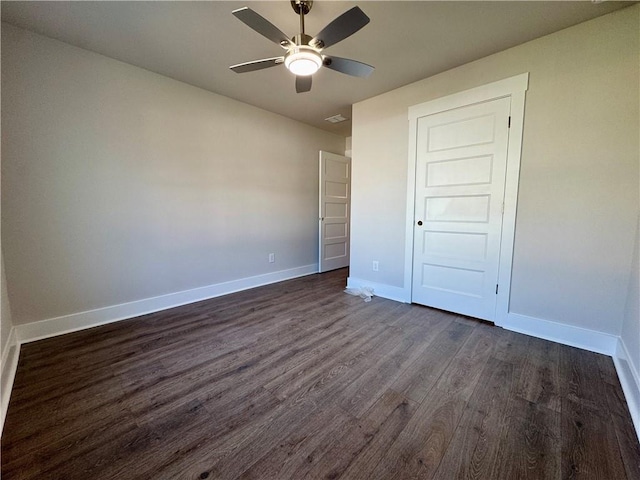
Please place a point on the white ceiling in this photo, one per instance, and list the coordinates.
(195, 42)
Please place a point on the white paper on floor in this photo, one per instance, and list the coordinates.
(363, 292)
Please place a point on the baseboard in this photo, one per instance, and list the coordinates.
(398, 294)
(52, 327)
(10, 355)
(630, 381)
(591, 340)
(11, 341)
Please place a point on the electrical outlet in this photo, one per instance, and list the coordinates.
(272, 257)
(375, 265)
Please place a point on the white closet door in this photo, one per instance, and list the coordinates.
(460, 181)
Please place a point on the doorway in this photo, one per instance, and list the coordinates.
(334, 211)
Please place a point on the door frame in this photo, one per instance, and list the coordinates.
(514, 87)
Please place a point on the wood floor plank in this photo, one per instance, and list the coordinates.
(607, 369)
(328, 460)
(69, 380)
(415, 382)
(332, 378)
(474, 448)
(158, 396)
(420, 447)
(588, 435)
(70, 419)
(360, 435)
(244, 447)
(358, 337)
(64, 456)
(361, 394)
(296, 453)
(463, 373)
(583, 383)
(344, 366)
(363, 463)
(127, 456)
(530, 446)
(627, 437)
(588, 441)
(509, 346)
(299, 380)
(539, 381)
(231, 420)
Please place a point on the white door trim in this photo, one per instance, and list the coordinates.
(514, 87)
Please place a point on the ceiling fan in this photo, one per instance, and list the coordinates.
(304, 53)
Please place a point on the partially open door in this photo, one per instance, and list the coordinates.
(335, 211)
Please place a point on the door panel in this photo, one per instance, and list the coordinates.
(466, 246)
(335, 198)
(446, 136)
(463, 171)
(460, 177)
(461, 208)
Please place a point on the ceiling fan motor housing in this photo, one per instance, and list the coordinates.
(302, 39)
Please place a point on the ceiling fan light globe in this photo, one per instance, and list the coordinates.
(303, 62)
(303, 67)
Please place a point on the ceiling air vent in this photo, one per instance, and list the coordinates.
(336, 119)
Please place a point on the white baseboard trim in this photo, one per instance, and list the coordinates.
(630, 381)
(10, 355)
(52, 327)
(11, 341)
(591, 340)
(398, 294)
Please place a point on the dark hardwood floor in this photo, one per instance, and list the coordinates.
(298, 380)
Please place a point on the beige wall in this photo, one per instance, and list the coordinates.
(579, 190)
(6, 322)
(119, 184)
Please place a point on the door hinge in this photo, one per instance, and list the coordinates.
(496, 288)
(509, 122)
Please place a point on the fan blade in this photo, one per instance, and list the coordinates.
(257, 64)
(350, 67)
(342, 27)
(262, 26)
(303, 84)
